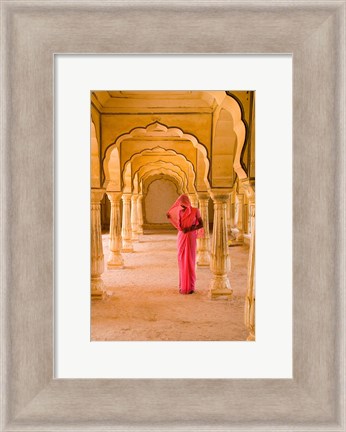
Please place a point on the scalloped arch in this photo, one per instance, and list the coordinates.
(156, 130)
(232, 107)
(165, 166)
(165, 174)
(141, 159)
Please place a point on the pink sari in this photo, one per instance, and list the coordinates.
(181, 219)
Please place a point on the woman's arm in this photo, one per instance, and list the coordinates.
(194, 227)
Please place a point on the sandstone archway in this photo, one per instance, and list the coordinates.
(154, 133)
(157, 157)
(165, 173)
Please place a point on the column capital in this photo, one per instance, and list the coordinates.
(126, 196)
(97, 195)
(114, 196)
(203, 195)
(220, 194)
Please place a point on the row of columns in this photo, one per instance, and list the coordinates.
(122, 235)
(238, 219)
(238, 223)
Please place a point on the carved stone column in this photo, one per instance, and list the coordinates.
(229, 219)
(250, 295)
(97, 260)
(126, 223)
(232, 215)
(134, 219)
(240, 218)
(220, 285)
(203, 250)
(246, 218)
(115, 259)
(140, 213)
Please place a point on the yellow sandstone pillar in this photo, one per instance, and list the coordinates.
(220, 264)
(115, 259)
(240, 218)
(203, 249)
(126, 223)
(97, 259)
(140, 213)
(134, 218)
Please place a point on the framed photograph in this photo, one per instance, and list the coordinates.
(33, 33)
(141, 301)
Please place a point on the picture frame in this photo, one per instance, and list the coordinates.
(32, 32)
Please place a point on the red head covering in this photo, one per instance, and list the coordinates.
(173, 212)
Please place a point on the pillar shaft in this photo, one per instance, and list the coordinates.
(140, 213)
(203, 250)
(246, 219)
(115, 259)
(229, 211)
(126, 224)
(97, 259)
(232, 215)
(240, 217)
(250, 295)
(220, 264)
(134, 218)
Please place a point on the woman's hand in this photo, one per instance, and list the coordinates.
(194, 227)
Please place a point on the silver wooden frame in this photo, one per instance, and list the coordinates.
(314, 31)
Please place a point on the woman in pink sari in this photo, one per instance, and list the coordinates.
(188, 222)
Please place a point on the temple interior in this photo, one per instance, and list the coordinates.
(147, 148)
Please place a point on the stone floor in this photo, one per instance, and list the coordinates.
(143, 302)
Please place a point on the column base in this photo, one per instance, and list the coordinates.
(115, 261)
(97, 288)
(235, 238)
(140, 230)
(127, 246)
(220, 287)
(203, 259)
(236, 242)
(135, 238)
